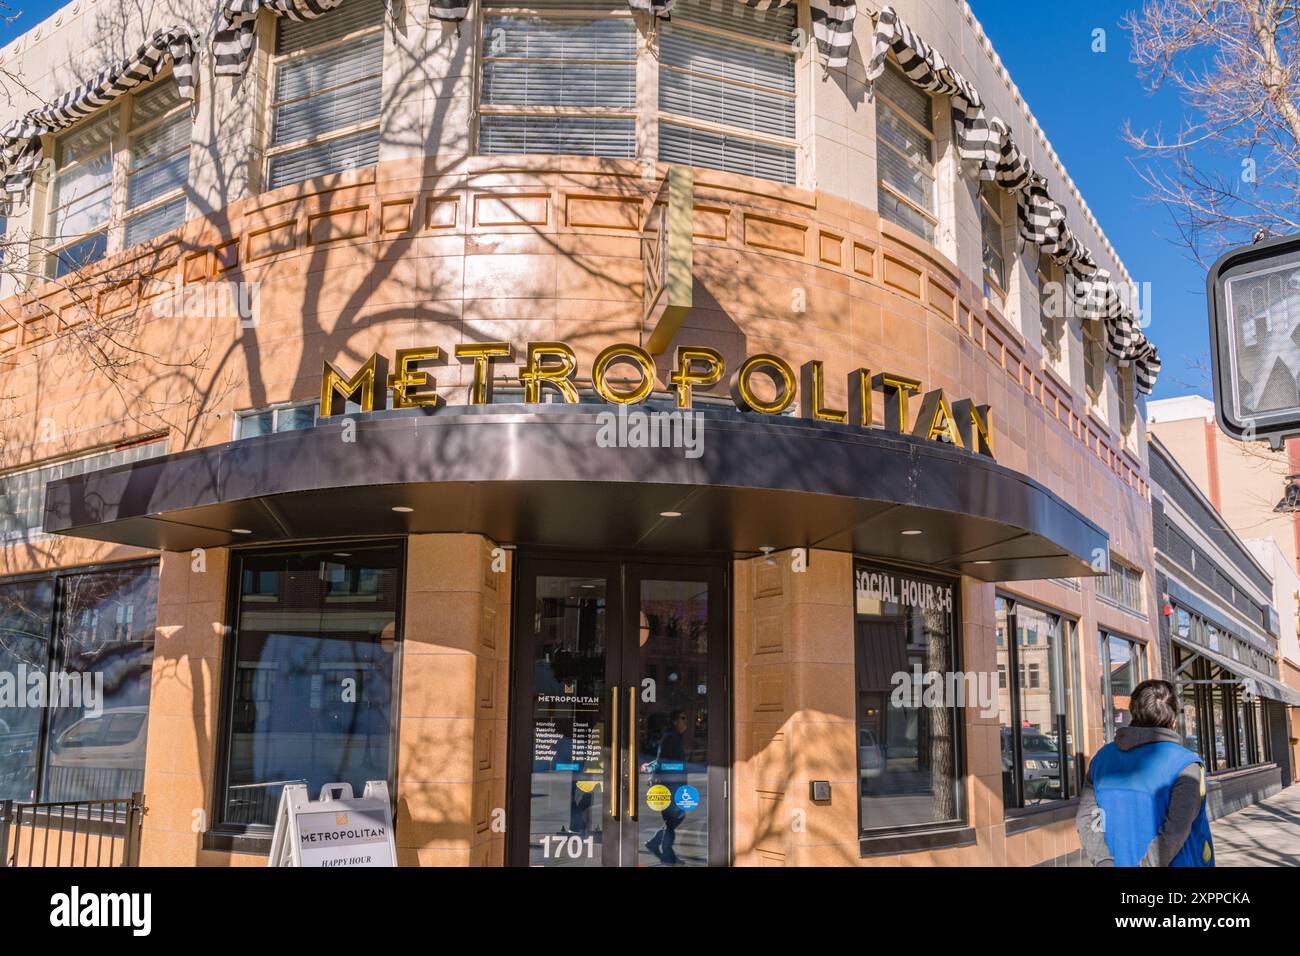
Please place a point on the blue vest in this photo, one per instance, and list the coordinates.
(1132, 788)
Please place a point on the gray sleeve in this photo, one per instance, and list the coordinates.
(1184, 804)
(1090, 821)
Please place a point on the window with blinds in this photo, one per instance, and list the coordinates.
(80, 197)
(159, 163)
(727, 89)
(561, 79)
(993, 244)
(326, 90)
(1094, 366)
(905, 153)
(1052, 316)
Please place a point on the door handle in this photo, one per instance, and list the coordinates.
(631, 753)
(614, 783)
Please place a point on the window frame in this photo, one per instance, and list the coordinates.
(55, 245)
(481, 110)
(119, 148)
(132, 134)
(660, 117)
(990, 215)
(1069, 721)
(277, 61)
(1140, 657)
(932, 135)
(54, 657)
(1095, 368)
(256, 837)
(915, 835)
(275, 409)
(1124, 588)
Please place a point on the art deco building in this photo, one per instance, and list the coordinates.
(623, 429)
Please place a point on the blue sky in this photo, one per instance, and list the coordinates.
(1082, 100)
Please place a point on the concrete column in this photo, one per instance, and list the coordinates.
(185, 711)
(451, 771)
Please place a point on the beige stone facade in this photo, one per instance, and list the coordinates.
(436, 245)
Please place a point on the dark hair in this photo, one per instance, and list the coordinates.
(677, 715)
(1154, 703)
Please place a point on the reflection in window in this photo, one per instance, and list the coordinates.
(1123, 667)
(312, 695)
(25, 610)
(1038, 719)
(106, 627)
(907, 750)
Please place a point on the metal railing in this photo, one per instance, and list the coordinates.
(72, 833)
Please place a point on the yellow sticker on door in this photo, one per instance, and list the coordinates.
(658, 797)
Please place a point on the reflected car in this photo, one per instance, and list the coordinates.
(1041, 758)
(114, 740)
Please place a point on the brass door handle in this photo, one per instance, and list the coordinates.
(614, 783)
(631, 753)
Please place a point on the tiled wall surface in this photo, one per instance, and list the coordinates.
(795, 722)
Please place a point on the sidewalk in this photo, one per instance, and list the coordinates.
(1263, 834)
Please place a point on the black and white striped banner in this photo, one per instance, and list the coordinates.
(236, 20)
(832, 22)
(987, 149)
(20, 140)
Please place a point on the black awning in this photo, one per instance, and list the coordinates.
(1265, 685)
(538, 476)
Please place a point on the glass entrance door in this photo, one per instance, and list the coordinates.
(619, 739)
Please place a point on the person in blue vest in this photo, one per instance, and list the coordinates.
(1144, 804)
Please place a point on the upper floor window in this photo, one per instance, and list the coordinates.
(81, 194)
(993, 244)
(1094, 365)
(159, 164)
(1053, 316)
(1123, 586)
(153, 158)
(1128, 399)
(905, 153)
(559, 83)
(325, 100)
(727, 89)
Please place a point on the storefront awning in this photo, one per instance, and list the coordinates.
(1267, 686)
(541, 476)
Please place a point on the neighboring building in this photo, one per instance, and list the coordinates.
(1220, 632)
(1249, 485)
(541, 628)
